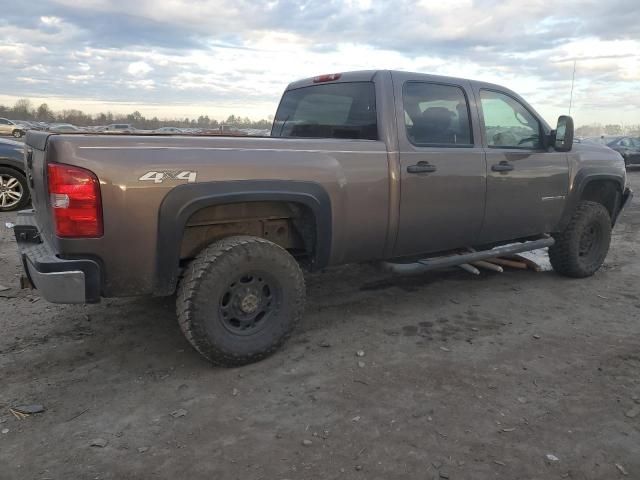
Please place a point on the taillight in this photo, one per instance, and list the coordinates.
(75, 201)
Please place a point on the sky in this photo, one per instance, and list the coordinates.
(184, 58)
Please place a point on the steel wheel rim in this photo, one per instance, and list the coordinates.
(248, 302)
(590, 241)
(10, 191)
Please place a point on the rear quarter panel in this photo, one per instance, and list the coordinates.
(354, 173)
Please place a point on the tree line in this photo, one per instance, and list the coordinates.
(24, 110)
(597, 129)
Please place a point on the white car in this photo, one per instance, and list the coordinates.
(64, 128)
(174, 130)
(11, 127)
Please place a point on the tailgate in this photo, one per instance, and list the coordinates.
(35, 169)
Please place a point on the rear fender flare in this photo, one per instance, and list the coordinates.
(183, 201)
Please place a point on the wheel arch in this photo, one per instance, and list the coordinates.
(605, 189)
(5, 164)
(181, 203)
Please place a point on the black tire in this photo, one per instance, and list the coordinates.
(7, 192)
(581, 248)
(240, 299)
(17, 133)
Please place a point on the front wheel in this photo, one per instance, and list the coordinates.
(581, 248)
(18, 133)
(239, 300)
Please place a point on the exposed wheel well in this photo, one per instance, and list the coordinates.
(288, 224)
(605, 192)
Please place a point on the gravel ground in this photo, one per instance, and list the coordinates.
(514, 375)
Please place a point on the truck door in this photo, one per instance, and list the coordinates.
(526, 183)
(442, 176)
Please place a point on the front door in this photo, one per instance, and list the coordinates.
(526, 183)
(6, 128)
(442, 177)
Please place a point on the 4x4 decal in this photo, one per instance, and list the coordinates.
(162, 175)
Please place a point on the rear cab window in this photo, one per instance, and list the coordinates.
(344, 110)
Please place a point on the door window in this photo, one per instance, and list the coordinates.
(507, 123)
(436, 115)
(4, 122)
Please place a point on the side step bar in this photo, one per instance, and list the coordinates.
(433, 263)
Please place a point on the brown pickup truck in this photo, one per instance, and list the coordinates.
(361, 166)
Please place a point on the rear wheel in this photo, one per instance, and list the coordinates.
(18, 133)
(581, 248)
(239, 300)
(14, 190)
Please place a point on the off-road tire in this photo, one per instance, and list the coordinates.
(7, 172)
(569, 256)
(209, 280)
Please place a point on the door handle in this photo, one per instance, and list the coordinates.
(422, 167)
(503, 166)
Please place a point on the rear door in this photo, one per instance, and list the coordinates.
(526, 183)
(443, 170)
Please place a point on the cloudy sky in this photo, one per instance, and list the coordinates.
(177, 58)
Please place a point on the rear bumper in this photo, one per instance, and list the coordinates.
(57, 280)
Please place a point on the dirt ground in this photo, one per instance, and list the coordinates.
(462, 377)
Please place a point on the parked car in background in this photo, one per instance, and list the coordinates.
(256, 132)
(628, 147)
(168, 130)
(12, 127)
(119, 128)
(14, 190)
(64, 128)
(30, 125)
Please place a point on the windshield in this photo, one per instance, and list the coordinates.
(336, 110)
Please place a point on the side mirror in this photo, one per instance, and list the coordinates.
(564, 134)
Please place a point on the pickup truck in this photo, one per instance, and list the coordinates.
(362, 166)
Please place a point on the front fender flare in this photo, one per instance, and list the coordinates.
(579, 184)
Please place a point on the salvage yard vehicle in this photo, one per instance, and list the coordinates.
(119, 128)
(14, 189)
(11, 127)
(628, 147)
(360, 166)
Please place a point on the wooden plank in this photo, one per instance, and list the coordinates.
(488, 266)
(469, 268)
(530, 263)
(508, 263)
